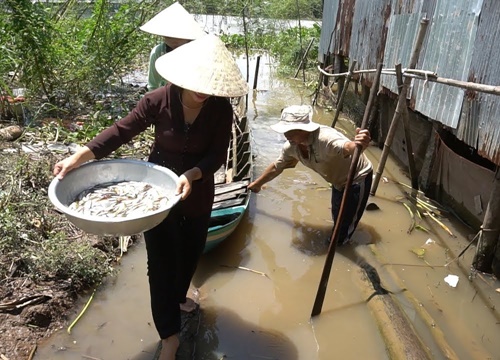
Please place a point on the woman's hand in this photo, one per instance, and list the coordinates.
(185, 183)
(183, 187)
(72, 162)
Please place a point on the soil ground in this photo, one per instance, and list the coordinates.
(31, 310)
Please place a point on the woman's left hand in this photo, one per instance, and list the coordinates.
(183, 187)
(185, 183)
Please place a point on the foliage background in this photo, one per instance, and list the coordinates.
(66, 54)
(70, 56)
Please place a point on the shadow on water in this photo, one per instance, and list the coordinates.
(242, 339)
(230, 253)
(313, 239)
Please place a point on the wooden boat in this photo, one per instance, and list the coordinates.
(231, 181)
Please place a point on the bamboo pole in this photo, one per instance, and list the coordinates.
(300, 39)
(426, 75)
(490, 232)
(344, 91)
(245, 32)
(304, 57)
(401, 105)
(406, 125)
(320, 295)
(320, 81)
(318, 87)
(256, 74)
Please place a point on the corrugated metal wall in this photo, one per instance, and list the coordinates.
(448, 50)
(462, 43)
(370, 22)
(327, 26)
(480, 122)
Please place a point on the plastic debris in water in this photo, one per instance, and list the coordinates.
(429, 241)
(451, 280)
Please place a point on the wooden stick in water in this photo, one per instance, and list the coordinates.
(320, 296)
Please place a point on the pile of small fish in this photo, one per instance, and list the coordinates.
(120, 199)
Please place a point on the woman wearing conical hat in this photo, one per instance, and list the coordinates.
(177, 27)
(192, 120)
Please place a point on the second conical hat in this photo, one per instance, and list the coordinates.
(174, 22)
(204, 65)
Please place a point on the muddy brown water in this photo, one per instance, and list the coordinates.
(249, 316)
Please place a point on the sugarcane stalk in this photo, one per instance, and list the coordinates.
(82, 312)
(440, 224)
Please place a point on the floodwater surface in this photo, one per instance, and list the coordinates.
(247, 315)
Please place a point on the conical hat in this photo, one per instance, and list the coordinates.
(174, 22)
(205, 66)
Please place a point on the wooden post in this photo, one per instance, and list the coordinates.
(490, 232)
(432, 77)
(406, 125)
(320, 295)
(304, 57)
(256, 74)
(344, 91)
(340, 66)
(320, 82)
(243, 15)
(400, 105)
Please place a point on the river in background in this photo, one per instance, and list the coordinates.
(229, 25)
(249, 316)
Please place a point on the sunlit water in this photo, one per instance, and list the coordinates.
(246, 315)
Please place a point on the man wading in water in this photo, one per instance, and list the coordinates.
(328, 152)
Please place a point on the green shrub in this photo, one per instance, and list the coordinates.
(35, 241)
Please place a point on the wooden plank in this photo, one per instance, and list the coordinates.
(228, 203)
(223, 188)
(230, 195)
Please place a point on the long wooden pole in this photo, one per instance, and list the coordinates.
(256, 74)
(320, 295)
(401, 105)
(325, 58)
(344, 91)
(425, 75)
(243, 13)
(301, 65)
(406, 126)
(490, 231)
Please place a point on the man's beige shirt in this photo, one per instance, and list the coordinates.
(325, 157)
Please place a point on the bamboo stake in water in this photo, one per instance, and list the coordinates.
(344, 91)
(400, 106)
(320, 296)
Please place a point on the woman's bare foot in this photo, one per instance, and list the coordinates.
(169, 347)
(188, 306)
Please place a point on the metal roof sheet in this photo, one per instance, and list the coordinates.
(369, 29)
(462, 43)
(480, 123)
(329, 20)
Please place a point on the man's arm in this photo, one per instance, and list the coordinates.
(269, 174)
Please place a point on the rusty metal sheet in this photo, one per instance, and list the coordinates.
(343, 27)
(330, 9)
(369, 30)
(449, 45)
(401, 36)
(480, 122)
(460, 44)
